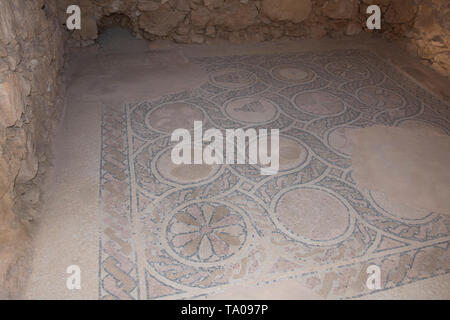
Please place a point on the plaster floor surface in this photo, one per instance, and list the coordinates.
(141, 228)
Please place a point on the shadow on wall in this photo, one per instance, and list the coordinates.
(115, 20)
(116, 33)
(120, 40)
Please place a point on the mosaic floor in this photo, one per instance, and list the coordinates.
(189, 231)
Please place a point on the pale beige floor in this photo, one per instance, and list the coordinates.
(68, 227)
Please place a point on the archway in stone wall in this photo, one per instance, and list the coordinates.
(117, 31)
(116, 20)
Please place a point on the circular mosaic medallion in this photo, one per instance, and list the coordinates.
(339, 141)
(348, 70)
(251, 110)
(233, 78)
(292, 154)
(380, 98)
(395, 209)
(183, 173)
(292, 74)
(312, 214)
(173, 116)
(319, 103)
(422, 126)
(206, 232)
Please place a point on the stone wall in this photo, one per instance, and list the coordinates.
(31, 57)
(424, 22)
(430, 34)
